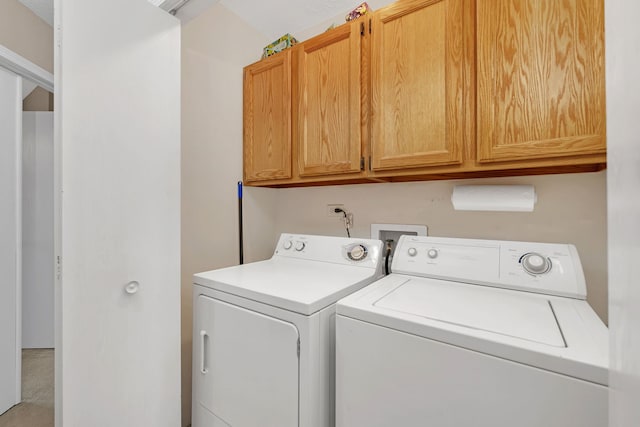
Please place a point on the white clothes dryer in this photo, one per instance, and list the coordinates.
(264, 333)
(472, 333)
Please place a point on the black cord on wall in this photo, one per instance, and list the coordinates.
(346, 220)
(387, 255)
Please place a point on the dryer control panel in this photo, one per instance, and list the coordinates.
(335, 250)
(546, 268)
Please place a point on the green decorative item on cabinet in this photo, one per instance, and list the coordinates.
(284, 42)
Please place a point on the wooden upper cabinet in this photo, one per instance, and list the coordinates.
(417, 83)
(267, 119)
(327, 124)
(540, 79)
(430, 88)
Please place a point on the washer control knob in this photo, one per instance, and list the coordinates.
(534, 263)
(357, 253)
(287, 244)
(412, 252)
(300, 246)
(432, 253)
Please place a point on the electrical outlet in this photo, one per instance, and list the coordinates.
(331, 210)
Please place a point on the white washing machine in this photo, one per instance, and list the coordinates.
(472, 333)
(264, 333)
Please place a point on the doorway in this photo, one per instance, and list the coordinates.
(26, 245)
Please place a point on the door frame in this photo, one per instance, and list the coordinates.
(25, 68)
(28, 71)
(16, 241)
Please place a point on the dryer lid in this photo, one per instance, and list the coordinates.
(518, 315)
(297, 285)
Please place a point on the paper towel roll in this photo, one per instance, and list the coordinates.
(510, 198)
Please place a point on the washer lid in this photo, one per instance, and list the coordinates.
(558, 334)
(511, 314)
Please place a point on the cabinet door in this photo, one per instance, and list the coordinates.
(267, 119)
(417, 83)
(328, 124)
(540, 79)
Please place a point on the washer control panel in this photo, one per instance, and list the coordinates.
(339, 250)
(546, 268)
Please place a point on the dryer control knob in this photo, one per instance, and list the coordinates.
(412, 252)
(287, 244)
(300, 246)
(432, 253)
(534, 263)
(357, 253)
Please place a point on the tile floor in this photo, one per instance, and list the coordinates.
(36, 409)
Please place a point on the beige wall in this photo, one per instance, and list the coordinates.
(23, 32)
(26, 34)
(570, 209)
(215, 47)
(38, 100)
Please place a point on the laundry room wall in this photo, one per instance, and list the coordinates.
(215, 48)
(571, 208)
(37, 230)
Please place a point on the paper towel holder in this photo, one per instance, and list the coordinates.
(495, 198)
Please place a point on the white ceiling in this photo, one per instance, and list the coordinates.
(277, 17)
(272, 18)
(44, 8)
